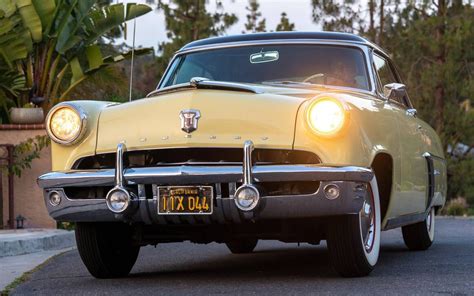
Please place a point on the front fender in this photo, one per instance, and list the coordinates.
(370, 130)
(63, 157)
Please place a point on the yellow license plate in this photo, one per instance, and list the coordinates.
(185, 200)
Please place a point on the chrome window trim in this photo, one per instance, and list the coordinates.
(364, 46)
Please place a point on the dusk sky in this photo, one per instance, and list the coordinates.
(151, 27)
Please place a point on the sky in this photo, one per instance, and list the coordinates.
(150, 28)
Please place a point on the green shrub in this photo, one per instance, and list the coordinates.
(456, 207)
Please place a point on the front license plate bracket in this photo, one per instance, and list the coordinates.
(185, 200)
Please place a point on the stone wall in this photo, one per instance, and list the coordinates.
(28, 196)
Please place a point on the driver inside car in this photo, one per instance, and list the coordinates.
(343, 72)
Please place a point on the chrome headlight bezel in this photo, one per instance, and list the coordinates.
(82, 118)
(340, 105)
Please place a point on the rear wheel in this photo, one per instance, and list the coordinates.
(106, 248)
(354, 240)
(420, 236)
(242, 246)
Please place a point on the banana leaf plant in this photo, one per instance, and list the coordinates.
(15, 43)
(54, 44)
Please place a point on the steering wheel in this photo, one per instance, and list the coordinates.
(317, 75)
(325, 78)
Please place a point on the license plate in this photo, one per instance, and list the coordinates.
(185, 200)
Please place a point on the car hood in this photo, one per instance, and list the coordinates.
(228, 118)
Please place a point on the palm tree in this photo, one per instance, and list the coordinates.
(53, 44)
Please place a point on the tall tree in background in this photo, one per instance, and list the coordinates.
(350, 16)
(189, 20)
(333, 15)
(254, 21)
(285, 24)
(433, 44)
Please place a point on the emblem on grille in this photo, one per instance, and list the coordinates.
(189, 120)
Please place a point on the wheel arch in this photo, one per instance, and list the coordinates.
(382, 164)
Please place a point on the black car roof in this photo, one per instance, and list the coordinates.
(277, 35)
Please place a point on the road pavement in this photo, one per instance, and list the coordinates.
(275, 268)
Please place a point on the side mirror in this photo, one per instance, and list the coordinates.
(394, 91)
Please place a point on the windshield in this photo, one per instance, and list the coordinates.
(274, 64)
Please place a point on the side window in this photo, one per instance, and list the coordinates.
(384, 72)
(386, 75)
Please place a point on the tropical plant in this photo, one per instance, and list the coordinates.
(13, 47)
(61, 42)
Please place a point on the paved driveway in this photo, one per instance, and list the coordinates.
(447, 268)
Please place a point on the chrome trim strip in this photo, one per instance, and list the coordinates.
(247, 167)
(205, 174)
(277, 41)
(119, 165)
(427, 154)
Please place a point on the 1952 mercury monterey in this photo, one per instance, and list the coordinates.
(290, 136)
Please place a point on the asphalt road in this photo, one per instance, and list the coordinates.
(447, 268)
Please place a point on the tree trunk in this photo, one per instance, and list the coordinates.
(371, 31)
(440, 61)
(382, 20)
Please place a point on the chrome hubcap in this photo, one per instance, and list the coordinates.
(367, 222)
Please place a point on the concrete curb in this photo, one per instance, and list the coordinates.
(19, 242)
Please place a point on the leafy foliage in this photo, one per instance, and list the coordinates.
(187, 21)
(254, 21)
(285, 24)
(55, 44)
(24, 154)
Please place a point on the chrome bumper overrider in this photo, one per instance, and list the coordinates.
(347, 178)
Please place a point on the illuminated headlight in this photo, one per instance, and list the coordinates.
(326, 116)
(66, 124)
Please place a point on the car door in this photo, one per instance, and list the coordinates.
(411, 188)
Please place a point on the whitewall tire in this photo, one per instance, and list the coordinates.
(354, 240)
(420, 236)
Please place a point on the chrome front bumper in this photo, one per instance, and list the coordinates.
(181, 175)
(351, 180)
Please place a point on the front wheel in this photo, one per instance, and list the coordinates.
(106, 248)
(420, 236)
(354, 240)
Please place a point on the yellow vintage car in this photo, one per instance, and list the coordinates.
(290, 136)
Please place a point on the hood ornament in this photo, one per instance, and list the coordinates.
(189, 120)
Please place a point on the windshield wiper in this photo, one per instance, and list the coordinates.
(295, 83)
(205, 83)
(286, 82)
